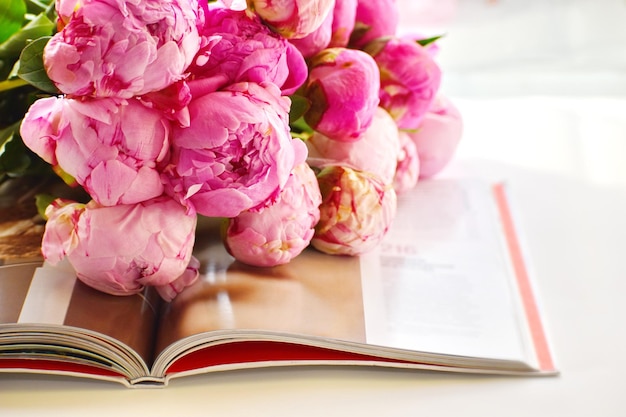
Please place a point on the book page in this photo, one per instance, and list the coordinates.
(441, 281)
(52, 295)
(314, 295)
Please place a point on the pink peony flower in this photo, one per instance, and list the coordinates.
(376, 152)
(344, 15)
(408, 168)
(112, 148)
(343, 88)
(278, 233)
(409, 79)
(292, 18)
(237, 47)
(356, 212)
(374, 19)
(316, 41)
(438, 136)
(237, 152)
(121, 249)
(111, 48)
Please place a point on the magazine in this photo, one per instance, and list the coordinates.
(448, 289)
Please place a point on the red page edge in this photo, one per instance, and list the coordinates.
(522, 278)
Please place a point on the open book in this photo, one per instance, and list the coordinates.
(448, 290)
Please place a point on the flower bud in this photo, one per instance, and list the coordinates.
(276, 234)
(376, 152)
(438, 136)
(356, 212)
(293, 19)
(409, 79)
(343, 88)
(408, 167)
(374, 19)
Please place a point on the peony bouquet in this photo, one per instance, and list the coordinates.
(296, 122)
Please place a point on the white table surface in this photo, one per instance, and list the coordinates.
(562, 148)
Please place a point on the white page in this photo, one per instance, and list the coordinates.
(441, 280)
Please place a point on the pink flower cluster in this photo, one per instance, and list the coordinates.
(172, 109)
(379, 121)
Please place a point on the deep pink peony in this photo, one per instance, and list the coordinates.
(316, 41)
(438, 136)
(278, 233)
(113, 148)
(374, 19)
(343, 89)
(356, 212)
(114, 48)
(237, 152)
(408, 167)
(376, 152)
(409, 79)
(236, 47)
(292, 18)
(344, 15)
(120, 250)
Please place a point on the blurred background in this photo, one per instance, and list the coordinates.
(504, 47)
(541, 83)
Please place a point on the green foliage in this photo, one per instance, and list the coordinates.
(299, 106)
(25, 28)
(31, 67)
(42, 201)
(14, 160)
(428, 41)
(11, 48)
(11, 17)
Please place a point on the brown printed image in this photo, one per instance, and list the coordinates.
(14, 283)
(314, 295)
(129, 319)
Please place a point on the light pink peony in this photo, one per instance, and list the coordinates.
(278, 233)
(237, 152)
(292, 18)
(122, 249)
(316, 41)
(376, 152)
(438, 136)
(409, 79)
(112, 148)
(344, 15)
(356, 212)
(374, 19)
(236, 47)
(343, 89)
(408, 168)
(114, 48)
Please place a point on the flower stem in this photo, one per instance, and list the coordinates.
(11, 84)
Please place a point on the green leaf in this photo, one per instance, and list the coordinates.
(38, 27)
(38, 6)
(10, 50)
(14, 159)
(31, 66)
(11, 17)
(299, 106)
(428, 41)
(42, 201)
